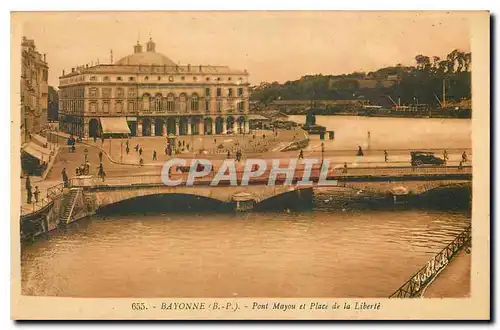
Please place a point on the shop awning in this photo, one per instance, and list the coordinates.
(257, 117)
(117, 125)
(39, 139)
(36, 151)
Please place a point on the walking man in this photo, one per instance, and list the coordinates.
(301, 154)
(127, 150)
(140, 151)
(100, 156)
(386, 156)
(154, 154)
(464, 157)
(445, 155)
(36, 193)
(65, 178)
(345, 168)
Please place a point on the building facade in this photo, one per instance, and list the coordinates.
(147, 94)
(34, 89)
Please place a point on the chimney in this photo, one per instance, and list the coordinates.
(200, 68)
(189, 67)
(72, 70)
(86, 66)
(44, 57)
(63, 73)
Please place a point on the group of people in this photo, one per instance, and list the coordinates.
(30, 192)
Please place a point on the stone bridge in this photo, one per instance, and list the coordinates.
(396, 181)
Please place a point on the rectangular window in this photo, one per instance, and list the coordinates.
(240, 91)
(230, 92)
(105, 107)
(131, 92)
(241, 106)
(119, 107)
(207, 106)
(207, 91)
(219, 92)
(219, 106)
(131, 106)
(119, 92)
(93, 106)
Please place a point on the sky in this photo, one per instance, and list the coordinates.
(271, 45)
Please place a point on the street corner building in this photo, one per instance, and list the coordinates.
(147, 94)
(34, 89)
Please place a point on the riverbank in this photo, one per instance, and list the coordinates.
(454, 280)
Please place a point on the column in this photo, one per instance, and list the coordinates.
(86, 129)
(200, 127)
(247, 127)
(139, 127)
(213, 126)
(153, 127)
(177, 131)
(165, 129)
(189, 126)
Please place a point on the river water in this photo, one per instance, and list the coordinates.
(317, 253)
(395, 133)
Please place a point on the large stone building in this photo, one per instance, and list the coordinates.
(34, 89)
(147, 94)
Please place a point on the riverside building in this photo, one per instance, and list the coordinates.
(147, 94)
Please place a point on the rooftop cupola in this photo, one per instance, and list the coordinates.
(137, 48)
(150, 46)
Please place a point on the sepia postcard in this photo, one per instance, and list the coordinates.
(265, 165)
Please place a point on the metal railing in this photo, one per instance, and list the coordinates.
(52, 193)
(423, 277)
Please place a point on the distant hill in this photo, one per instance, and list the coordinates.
(421, 83)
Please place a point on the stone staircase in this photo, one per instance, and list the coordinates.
(69, 205)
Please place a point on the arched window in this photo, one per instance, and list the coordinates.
(182, 102)
(145, 102)
(195, 102)
(158, 106)
(171, 102)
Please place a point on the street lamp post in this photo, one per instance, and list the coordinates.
(322, 151)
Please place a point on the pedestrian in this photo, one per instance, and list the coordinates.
(360, 151)
(166, 150)
(136, 148)
(187, 146)
(301, 154)
(126, 143)
(141, 161)
(445, 155)
(464, 157)
(345, 168)
(28, 182)
(228, 154)
(127, 150)
(65, 178)
(140, 151)
(95, 138)
(29, 194)
(36, 193)
(386, 156)
(100, 156)
(460, 165)
(154, 154)
(215, 141)
(263, 136)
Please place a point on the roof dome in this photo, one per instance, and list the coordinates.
(147, 58)
(150, 57)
